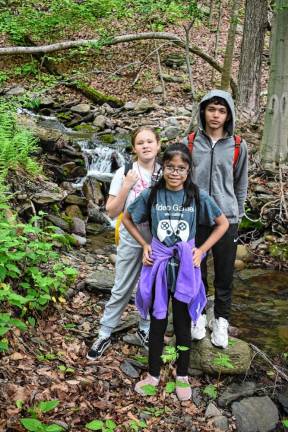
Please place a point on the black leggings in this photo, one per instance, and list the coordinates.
(182, 329)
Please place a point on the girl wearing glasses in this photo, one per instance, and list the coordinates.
(173, 207)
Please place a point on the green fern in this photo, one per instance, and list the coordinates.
(17, 145)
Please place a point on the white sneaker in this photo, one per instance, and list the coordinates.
(198, 330)
(219, 335)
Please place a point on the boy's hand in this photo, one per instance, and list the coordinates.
(131, 178)
(197, 256)
(147, 251)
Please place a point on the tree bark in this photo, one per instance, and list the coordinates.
(249, 78)
(226, 74)
(274, 145)
(116, 40)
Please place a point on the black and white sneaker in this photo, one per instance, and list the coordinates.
(97, 349)
(144, 338)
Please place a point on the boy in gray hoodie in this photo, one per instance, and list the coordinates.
(222, 171)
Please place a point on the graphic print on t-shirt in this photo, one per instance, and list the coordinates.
(167, 228)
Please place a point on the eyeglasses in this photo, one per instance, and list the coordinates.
(180, 170)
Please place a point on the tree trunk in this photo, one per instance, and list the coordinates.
(249, 78)
(217, 37)
(274, 146)
(226, 74)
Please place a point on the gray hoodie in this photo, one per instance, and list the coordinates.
(213, 166)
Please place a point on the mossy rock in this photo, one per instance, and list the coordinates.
(206, 357)
(96, 96)
(108, 138)
(85, 128)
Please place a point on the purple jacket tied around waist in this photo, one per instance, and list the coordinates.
(189, 286)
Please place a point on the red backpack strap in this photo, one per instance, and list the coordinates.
(237, 140)
(191, 138)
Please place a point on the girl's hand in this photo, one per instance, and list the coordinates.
(147, 251)
(197, 256)
(130, 179)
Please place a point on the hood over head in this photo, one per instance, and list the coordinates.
(230, 126)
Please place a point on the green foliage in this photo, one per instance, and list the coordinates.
(66, 369)
(107, 426)
(285, 423)
(137, 425)
(35, 425)
(30, 272)
(149, 389)
(157, 412)
(279, 251)
(171, 353)
(17, 144)
(223, 361)
(211, 391)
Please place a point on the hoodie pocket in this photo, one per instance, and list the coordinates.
(227, 204)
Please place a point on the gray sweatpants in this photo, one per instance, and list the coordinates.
(127, 271)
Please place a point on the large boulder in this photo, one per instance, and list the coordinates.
(206, 357)
(255, 414)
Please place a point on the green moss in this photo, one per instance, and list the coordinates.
(108, 138)
(96, 96)
(85, 128)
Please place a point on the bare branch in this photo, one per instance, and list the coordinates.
(44, 49)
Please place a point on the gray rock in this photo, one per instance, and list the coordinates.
(203, 355)
(212, 411)
(16, 91)
(171, 132)
(132, 339)
(46, 101)
(144, 105)
(78, 226)
(157, 90)
(80, 241)
(255, 414)
(89, 259)
(47, 197)
(221, 423)
(77, 200)
(171, 78)
(100, 121)
(197, 396)
(112, 258)
(81, 108)
(172, 121)
(58, 221)
(283, 399)
(181, 111)
(129, 106)
(235, 391)
(128, 369)
(101, 280)
(174, 60)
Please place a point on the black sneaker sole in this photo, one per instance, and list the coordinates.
(95, 355)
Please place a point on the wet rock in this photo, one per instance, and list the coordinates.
(171, 132)
(59, 222)
(15, 91)
(143, 105)
(255, 414)
(80, 241)
(96, 215)
(236, 391)
(221, 423)
(203, 355)
(100, 280)
(92, 191)
(283, 399)
(68, 168)
(74, 211)
(128, 369)
(100, 121)
(82, 109)
(212, 411)
(78, 227)
(75, 199)
(47, 197)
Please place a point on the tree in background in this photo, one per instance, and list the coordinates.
(249, 78)
(226, 74)
(274, 146)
